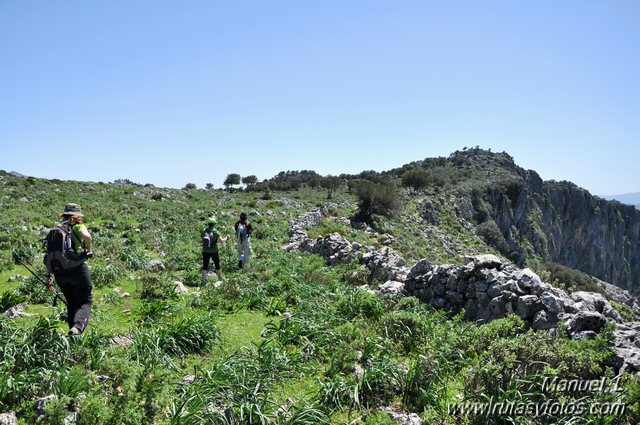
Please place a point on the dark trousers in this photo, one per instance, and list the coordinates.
(76, 287)
(210, 255)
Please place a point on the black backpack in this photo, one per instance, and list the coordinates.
(61, 256)
(207, 240)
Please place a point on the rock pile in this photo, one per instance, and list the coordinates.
(486, 288)
(384, 264)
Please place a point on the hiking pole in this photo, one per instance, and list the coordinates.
(57, 295)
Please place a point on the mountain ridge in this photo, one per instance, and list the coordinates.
(625, 198)
(530, 221)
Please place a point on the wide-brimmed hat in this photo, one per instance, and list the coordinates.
(73, 209)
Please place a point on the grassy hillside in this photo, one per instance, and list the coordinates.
(291, 342)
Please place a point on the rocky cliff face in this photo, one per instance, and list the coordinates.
(563, 223)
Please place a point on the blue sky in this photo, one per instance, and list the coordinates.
(171, 92)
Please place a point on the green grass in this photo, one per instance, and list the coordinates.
(241, 329)
(245, 354)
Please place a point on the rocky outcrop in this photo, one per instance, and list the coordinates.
(487, 290)
(485, 287)
(621, 296)
(383, 264)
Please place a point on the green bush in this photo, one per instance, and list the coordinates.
(373, 198)
(409, 329)
(417, 179)
(572, 280)
(358, 303)
(35, 291)
(9, 299)
(156, 287)
(507, 360)
(6, 262)
(105, 276)
(625, 311)
(190, 334)
(491, 234)
(133, 259)
(378, 418)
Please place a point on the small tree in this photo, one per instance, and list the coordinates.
(417, 179)
(250, 180)
(231, 180)
(375, 198)
(190, 186)
(330, 183)
(491, 234)
(209, 186)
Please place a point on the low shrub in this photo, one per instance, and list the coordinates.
(105, 276)
(156, 286)
(9, 299)
(572, 280)
(35, 291)
(189, 334)
(358, 303)
(6, 262)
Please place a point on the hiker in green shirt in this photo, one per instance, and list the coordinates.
(76, 284)
(210, 239)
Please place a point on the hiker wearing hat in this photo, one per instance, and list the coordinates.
(210, 239)
(243, 243)
(76, 283)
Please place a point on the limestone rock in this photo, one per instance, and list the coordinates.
(155, 266)
(8, 419)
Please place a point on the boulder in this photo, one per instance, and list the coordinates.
(455, 298)
(552, 303)
(541, 320)
(497, 307)
(584, 335)
(421, 267)
(402, 418)
(610, 313)
(391, 287)
(528, 279)
(589, 301)
(155, 266)
(586, 321)
(487, 261)
(180, 288)
(8, 419)
(628, 360)
(528, 305)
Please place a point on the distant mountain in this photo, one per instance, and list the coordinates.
(627, 198)
(16, 174)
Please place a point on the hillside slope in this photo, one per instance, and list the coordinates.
(541, 221)
(295, 341)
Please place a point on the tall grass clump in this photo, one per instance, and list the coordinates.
(189, 334)
(156, 287)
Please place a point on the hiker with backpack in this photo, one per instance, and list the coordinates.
(243, 243)
(210, 239)
(68, 245)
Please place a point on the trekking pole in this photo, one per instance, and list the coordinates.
(57, 295)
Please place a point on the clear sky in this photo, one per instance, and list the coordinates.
(172, 92)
